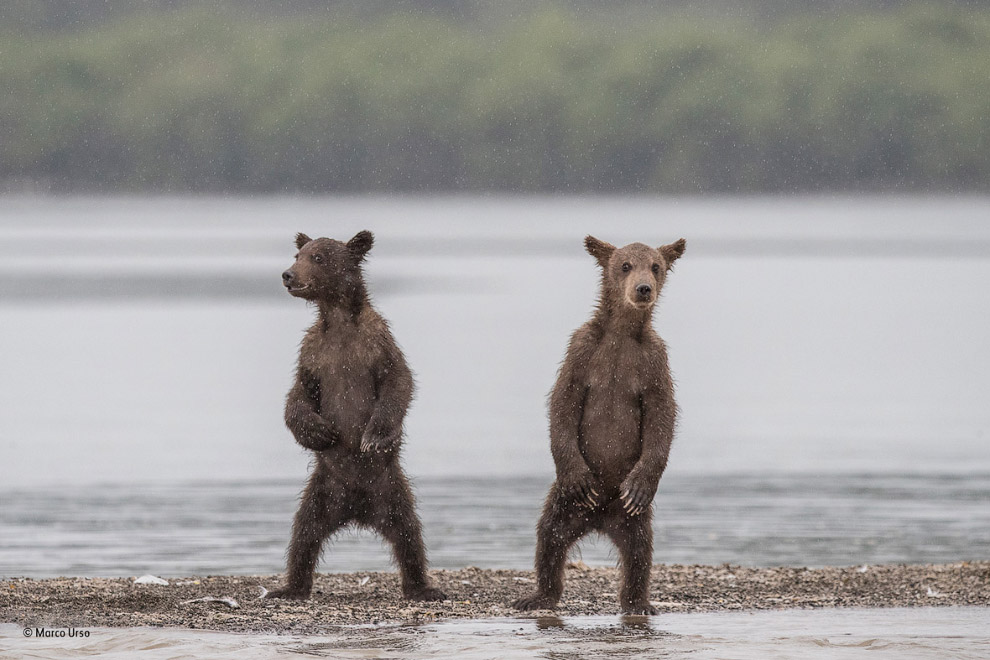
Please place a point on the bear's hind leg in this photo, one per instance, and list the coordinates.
(396, 520)
(562, 523)
(319, 515)
(633, 536)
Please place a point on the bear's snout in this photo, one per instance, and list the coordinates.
(291, 283)
(644, 291)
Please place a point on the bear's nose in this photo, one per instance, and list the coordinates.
(288, 276)
(644, 290)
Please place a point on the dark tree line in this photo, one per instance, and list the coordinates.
(178, 98)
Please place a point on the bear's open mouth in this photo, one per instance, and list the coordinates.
(294, 289)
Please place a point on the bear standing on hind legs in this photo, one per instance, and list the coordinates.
(347, 405)
(612, 416)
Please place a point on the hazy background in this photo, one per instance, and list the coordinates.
(827, 162)
(462, 95)
(151, 338)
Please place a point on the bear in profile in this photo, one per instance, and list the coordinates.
(347, 405)
(612, 417)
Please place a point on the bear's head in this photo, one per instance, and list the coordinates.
(327, 270)
(634, 274)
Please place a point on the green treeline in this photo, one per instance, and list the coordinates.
(194, 100)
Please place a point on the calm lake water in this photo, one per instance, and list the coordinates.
(831, 357)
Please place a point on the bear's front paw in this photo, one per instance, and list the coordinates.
(379, 443)
(582, 488)
(317, 439)
(636, 495)
(536, 601)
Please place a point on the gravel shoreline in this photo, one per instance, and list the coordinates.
(363, 598)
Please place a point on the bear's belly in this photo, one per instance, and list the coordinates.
(610, 438)
(347, 404)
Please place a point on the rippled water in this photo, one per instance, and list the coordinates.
(243, 528)
(934, 634)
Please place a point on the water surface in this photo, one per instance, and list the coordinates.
(150, 339)
(243, 528)
(922, 633)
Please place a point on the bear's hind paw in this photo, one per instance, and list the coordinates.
(427, 593)
(640, 608)
(288, 594)
(537, 601)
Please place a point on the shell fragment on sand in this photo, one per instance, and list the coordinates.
(229, 602)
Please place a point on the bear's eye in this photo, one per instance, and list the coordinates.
(626, 267)
(656, 268)
(318, 258)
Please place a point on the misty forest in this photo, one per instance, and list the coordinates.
(461, 95)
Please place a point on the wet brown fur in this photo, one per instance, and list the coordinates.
(347, 405)
(612, 416)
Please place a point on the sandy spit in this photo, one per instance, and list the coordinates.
(360, 598)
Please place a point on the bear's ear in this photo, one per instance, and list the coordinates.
(301, 240)
(361, 243)
(600, 250)
(673, 251)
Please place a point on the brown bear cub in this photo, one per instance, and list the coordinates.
(611, 424)
(347, 405)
